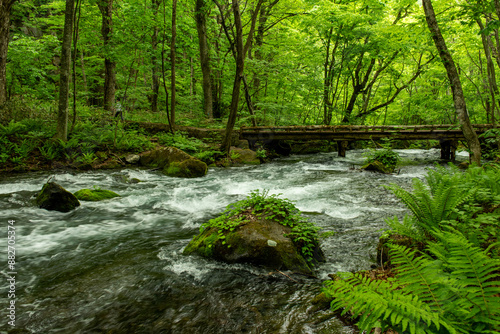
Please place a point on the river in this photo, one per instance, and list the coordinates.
(117, 266)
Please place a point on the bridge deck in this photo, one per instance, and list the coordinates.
(358, 132)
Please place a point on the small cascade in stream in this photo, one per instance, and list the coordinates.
(117, 266)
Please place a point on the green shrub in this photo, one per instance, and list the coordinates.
(386, 156)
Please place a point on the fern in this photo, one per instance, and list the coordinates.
(420, 275)
(430, 206)
(476, 281)
(455, 290)
(381, 304)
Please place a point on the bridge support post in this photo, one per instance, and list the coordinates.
(342, 147)
(448, 148)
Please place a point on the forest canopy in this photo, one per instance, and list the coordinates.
(301, 61)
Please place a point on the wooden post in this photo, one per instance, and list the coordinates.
(448, 148)
(342, 147)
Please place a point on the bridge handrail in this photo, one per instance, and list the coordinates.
(363, 128)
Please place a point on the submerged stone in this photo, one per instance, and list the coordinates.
(95, 194)
(53, 197)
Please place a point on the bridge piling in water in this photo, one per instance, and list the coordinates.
(448, 149)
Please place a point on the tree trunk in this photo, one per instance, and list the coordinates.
(106, 8)
(201, 27)
(5, 8)
(62, 114)
(456, 86)
(239, 51)
(154, 60)
(240, 62)
(172, 63)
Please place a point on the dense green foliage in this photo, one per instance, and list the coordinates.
(262, 205)
(447, 282)
(30, 141)
(311, 62)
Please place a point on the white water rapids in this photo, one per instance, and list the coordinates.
(117, 266)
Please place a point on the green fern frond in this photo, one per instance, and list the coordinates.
(420, 275)
(430, 208)
(477, 278)
(407, 228)
(381, 304)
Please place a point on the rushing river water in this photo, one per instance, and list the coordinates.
(117, 266)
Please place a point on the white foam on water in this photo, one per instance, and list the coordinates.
(45, 239)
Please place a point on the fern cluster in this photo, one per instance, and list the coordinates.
(451, 282)
(467, 201)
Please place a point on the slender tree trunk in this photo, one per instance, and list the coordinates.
(154, 60)
(5, 8)
(172, 63)
(201, 27)
(106, 8)
(240, 52)
(240, 62)
(456, 86)
(62, 114)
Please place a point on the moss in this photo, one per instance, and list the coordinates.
(203, 244)
(377, 166)
(187, 168)
(95, 194)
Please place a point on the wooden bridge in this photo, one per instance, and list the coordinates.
(448, 134)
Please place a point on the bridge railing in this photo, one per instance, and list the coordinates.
(364, 128)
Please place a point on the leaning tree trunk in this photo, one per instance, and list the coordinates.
(106, 8)
(456, 86)
(5, 8)
(62, 114)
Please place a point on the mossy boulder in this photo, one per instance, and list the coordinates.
(244, 156)
(259, 231)
(174, 162)
(53, 197)
(95, 195)
(188, 168)
(377, 166)
(260, 242)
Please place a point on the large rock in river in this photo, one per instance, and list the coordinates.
(55, 198)
(258, 241)
(377, 166)
(174, 162)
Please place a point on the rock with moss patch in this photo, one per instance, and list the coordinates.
(95, 195)
(244, 156)
(259, 236)
(377, 166)
(53, 197)
(259, 241)
(174, 162)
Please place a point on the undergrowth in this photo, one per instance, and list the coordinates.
(448, 280)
